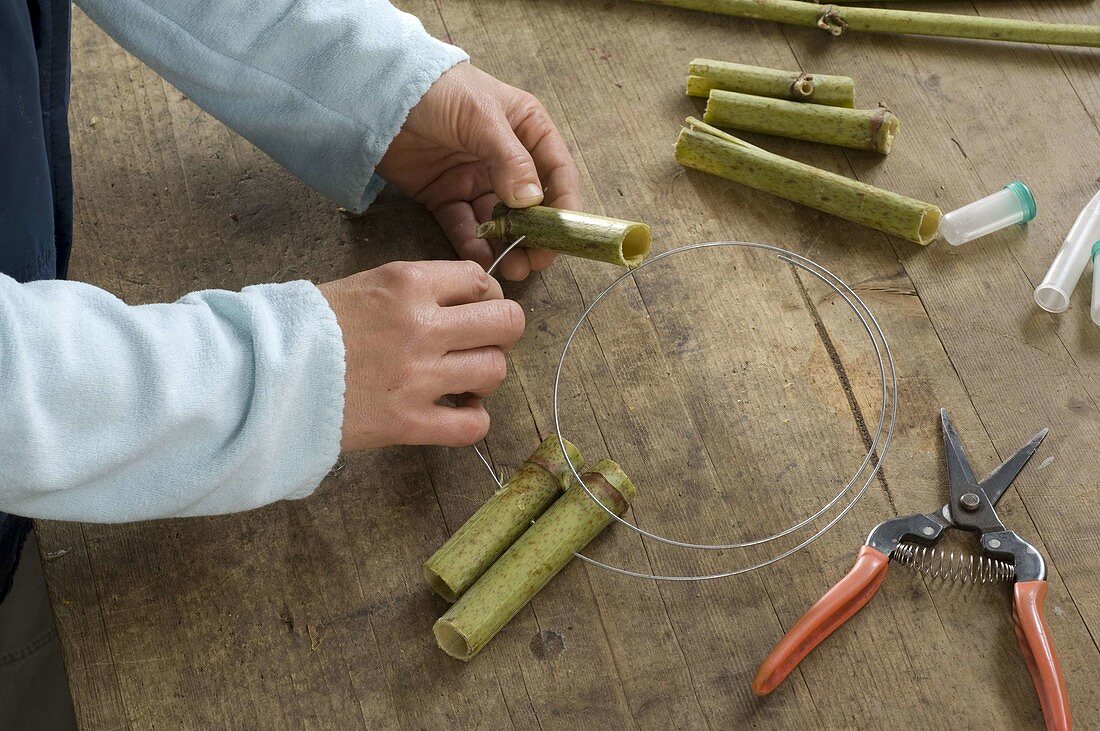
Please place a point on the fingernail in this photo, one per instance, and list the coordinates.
(526, 193)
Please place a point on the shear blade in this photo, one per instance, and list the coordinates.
(958, 466)
(999, 479)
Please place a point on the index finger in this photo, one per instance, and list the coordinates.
(556, 168)
(462, 282)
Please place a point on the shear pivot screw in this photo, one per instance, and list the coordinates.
(970, 502)
(994, 543)
(928, 530)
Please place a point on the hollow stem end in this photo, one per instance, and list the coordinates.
(452, 641)
(636, 244)
(439, 585)
(929, 225)
(803, 86)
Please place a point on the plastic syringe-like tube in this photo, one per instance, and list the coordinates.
(1095, 283)
(1068, 266)
(1011, 204)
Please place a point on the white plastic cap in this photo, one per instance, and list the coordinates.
(1011, 204)
(1095, 284)
(1069, 264)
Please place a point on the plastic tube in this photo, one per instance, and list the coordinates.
(1095, 284)
(1011, 204)
(1068, 266)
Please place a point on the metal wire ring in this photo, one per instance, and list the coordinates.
(843, 290)
(783, 255)
(883, 433)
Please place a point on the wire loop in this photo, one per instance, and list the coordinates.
(863, 476)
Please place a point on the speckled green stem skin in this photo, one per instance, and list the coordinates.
(705, 74)
(501, 520)
(861, 129)
(704, 148)
(565, 528)
(586, 235)
(836, 19)
(857, 2)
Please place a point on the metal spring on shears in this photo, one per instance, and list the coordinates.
(950, 566)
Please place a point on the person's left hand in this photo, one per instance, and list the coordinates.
(473, 141)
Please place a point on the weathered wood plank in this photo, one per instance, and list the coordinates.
(898, 693)
(313, 613)
(979, 297)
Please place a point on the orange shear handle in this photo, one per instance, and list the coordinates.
(1033, 634)
(832, 610)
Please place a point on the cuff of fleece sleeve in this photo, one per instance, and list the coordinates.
(433, 58)
(314, 445)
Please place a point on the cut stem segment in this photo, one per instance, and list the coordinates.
(862, 129)
(836, 20)
(536, 557)
(586, 235)
(705, 74)
(501, 520)
(713, 151)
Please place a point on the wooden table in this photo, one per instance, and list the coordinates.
(314, 614)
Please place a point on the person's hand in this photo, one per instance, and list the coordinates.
(414, 333)
(473, 141)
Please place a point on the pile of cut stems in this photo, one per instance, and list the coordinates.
(533, 560)
(501, 519)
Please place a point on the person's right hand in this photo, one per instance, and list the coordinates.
(414, 333)
(472, 141)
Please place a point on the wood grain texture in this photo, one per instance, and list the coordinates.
(313, 614)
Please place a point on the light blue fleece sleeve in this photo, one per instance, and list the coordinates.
(222, 401)
(322, 86)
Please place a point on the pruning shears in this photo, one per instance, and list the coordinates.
(971, 508)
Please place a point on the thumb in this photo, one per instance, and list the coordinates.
(511, 170)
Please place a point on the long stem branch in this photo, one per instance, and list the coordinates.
(859, 2)
(836, 20)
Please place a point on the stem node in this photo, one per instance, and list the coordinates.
(832, 21)
(803, 86)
